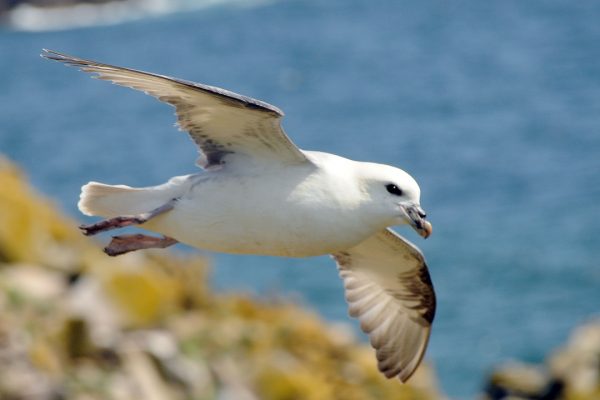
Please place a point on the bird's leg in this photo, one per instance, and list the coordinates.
(125, 220)
(126, 243)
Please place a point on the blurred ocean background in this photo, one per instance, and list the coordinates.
(494, 107)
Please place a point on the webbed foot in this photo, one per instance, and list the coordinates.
(125, 220)
(123, 244)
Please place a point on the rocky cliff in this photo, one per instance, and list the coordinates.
(76, 324)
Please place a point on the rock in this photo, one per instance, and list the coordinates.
(33, 282)
(571, 372)
(31, 230)
(77, 324)
(523, 381)
(578, 363)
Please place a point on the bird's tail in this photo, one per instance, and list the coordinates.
(112, 200)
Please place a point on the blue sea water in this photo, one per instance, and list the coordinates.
(494, 107)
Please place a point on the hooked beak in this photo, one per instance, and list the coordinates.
(416, 218)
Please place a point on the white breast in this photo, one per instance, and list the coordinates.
(302, 211)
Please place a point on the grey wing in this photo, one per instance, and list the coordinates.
(223, 124)
(389, 290)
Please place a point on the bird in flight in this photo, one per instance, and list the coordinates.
(260, 194)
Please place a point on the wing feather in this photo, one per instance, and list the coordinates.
(389, 290)
(223, 124)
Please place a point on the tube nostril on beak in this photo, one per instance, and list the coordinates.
(416, 218)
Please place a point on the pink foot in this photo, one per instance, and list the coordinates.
(126, 220)
(112, 223)
(127, 243)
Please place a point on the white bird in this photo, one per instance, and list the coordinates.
(260, 194)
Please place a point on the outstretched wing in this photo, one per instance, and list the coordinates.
(389, 290)
(223, 124)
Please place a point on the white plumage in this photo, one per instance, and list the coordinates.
(260, 194)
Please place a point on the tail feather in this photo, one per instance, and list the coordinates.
(106, 201)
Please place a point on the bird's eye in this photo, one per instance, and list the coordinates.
(393, 189)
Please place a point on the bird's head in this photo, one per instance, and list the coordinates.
(395, 196)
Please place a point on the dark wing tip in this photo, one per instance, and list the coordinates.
(247, 102)
(430, 301)
(64, 58)
(53, 55)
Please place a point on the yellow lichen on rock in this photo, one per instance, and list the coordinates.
(30, 226)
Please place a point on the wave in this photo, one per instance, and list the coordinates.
(26, 17)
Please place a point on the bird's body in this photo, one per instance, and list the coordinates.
(322, 198)
(260, 194)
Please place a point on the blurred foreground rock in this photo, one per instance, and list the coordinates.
(571, 373)
(76, 324)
